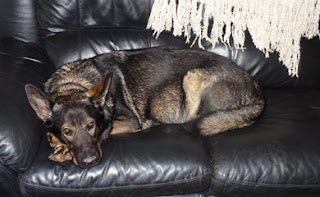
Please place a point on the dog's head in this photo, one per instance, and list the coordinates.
(80, 120)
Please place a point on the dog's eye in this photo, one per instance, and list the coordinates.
(67, 131)
(90, 125)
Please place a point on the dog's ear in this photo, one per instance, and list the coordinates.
(40, 102)
(99, 92)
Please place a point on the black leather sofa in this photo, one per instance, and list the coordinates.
(279, 155)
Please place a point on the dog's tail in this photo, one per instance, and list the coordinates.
(219, 121)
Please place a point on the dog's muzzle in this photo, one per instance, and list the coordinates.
(89, 157)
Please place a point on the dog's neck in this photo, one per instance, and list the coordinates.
(73, 77)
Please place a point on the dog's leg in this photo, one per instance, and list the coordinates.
(122, 124)
(226, 103)
(61, 152)
(219, 121)
(194, 82)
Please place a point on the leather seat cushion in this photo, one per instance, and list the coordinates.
(151, 163)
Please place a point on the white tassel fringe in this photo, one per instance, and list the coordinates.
(274, 25)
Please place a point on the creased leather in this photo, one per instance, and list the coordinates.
(165, 160)
(74, 30)
(279, 153)
(63, 15)
(73, 45)
(20, 129)
(18, 20)
(9, 182)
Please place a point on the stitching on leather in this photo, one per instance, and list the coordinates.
(222, 179)
(116, 187)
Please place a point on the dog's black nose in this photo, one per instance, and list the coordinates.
(89, 157)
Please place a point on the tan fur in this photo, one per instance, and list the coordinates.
(72, 77)
(225, 120)
(124, 125)
(61, 152)
(194, 83)
(213, 124)
(167, 106)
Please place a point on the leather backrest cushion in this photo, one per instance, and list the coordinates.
(18, 20)
(63, 15)
(74, 30)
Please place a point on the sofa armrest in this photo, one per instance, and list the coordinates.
(20, 130)
(9, 185)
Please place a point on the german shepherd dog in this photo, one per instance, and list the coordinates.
(129, 91)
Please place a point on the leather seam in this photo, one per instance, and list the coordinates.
(126, 187)
(79, 43)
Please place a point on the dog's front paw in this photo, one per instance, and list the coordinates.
(60, 152)
(53, 140)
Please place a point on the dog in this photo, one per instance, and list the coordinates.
(128, 91)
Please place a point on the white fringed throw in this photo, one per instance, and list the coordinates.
(274, 25)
